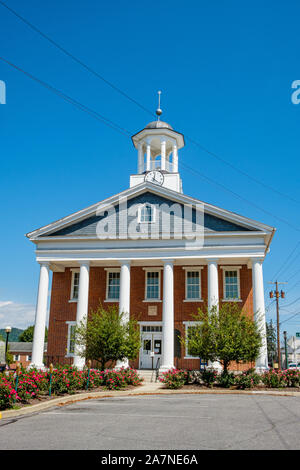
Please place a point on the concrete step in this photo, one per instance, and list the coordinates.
(147, 375)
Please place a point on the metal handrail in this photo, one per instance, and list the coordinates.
(157, 369)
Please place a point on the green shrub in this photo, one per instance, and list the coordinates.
(226, 379)
(208, 377)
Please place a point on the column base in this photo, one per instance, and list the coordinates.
(122, 364)
(79, 362)
(37, 366)
(215, 366)
(166, 368)
(261, 370)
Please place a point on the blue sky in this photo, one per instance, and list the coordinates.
(225, 70)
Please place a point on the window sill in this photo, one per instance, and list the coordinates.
(152, 300)
(72, 301)
(111, 300)
(193, 300)
(231, 300)
(191, 357)
(70, 355)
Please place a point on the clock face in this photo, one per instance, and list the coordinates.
(155, 177)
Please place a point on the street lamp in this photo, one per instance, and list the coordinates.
(8, 330)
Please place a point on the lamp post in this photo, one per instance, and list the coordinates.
(8, 330)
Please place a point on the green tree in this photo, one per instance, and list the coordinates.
(27, 335)
(271, 341)
(224, 335)
(107, 337)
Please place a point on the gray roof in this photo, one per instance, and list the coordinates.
(19, 347)
(158, 125)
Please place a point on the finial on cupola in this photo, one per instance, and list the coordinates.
(158, 111)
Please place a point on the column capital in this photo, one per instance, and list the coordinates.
(84, 263)
(165, 261)
(257, 260)
(125, 262)
(44, 263)
(212, 260)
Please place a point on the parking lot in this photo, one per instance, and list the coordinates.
(169, 422)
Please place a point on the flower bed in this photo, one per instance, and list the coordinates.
(246, 380)
(35, 384)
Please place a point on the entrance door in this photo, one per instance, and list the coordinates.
(151, 349)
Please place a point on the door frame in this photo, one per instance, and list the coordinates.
(149, 323)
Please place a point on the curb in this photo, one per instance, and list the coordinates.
(69, 399)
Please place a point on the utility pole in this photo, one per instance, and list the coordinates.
(277, 295)
(285, 349)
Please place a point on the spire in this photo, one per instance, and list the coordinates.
(158, 111)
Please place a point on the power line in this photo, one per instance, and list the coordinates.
(109, 83)
(287, 259)
(238, 196)
(67, 98)
(297, 313)
(80, 62)
(124, 131)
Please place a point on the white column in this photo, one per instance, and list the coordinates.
(212, 283)
(259, 311)
(40, 318)
(82, 307)
(213, 296)
(175, 158)
(124, 301)
(140, 159)
(168, 317)
(163, 154)
(148, 156)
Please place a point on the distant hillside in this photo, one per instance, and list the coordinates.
(13, 335)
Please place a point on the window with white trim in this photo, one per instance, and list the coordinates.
(146, 213)
(75, 285)
(16, 357)
(189, 327)
(113, 285)
(152, 285)
(193, 285)
(28, 358)
(231, 284)
(71, 339)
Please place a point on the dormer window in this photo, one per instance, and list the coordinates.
(146, 214)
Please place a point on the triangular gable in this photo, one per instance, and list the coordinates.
(83, 223)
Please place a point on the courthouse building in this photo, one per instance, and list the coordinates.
(156, 253)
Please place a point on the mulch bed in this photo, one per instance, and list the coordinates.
(257, 388)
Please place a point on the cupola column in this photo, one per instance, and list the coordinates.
(140, 159)
(163, 154)
(175, 158)
(148, 156)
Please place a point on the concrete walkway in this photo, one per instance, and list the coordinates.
(144, 389)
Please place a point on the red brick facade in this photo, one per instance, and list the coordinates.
(63, 310)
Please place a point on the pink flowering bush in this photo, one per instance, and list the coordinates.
(33, 383)
(174, 378)
(281, 378)
(247, 379)
(117, 379)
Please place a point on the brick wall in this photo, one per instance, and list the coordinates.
(61, 310)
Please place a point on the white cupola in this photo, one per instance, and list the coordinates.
(157, 145)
